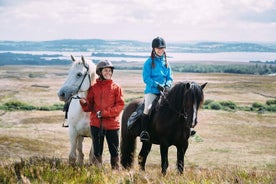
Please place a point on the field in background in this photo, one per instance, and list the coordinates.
(226, 139)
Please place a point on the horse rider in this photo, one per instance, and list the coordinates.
(157, 75)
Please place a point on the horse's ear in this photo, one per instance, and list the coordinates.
(203, 85)
(72, 57)
(83, 60)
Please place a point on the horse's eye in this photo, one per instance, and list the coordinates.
(79, 74)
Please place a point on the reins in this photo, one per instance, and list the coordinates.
(179, 113)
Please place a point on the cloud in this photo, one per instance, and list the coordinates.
(177, 20)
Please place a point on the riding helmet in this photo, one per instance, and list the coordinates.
(158, 42)
(104, 64)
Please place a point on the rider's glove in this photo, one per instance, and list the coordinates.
(160, 88)
(99, 114)
(167, 87)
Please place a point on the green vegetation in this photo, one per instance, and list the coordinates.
(18, 105)
(53, 170)
(248, 68)
(270, 106)
(263, 68)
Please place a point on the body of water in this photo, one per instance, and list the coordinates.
(172, 57)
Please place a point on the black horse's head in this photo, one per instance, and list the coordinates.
(185, 99)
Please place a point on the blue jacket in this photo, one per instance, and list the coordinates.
(157, 75)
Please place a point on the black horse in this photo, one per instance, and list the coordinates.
(171, 121)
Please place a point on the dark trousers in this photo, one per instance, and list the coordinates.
(112, 138)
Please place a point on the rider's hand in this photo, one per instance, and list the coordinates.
(82, 101)
(160, 88)
(99, 114)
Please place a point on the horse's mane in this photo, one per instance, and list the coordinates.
(179, 94)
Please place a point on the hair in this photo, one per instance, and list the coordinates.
(152, 59)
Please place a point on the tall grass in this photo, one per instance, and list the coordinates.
(53, 170)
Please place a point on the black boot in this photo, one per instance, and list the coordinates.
(144, 136)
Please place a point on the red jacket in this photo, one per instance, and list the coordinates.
(107, 97)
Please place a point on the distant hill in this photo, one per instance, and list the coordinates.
(98, 45)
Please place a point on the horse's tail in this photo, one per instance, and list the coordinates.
(128, 139)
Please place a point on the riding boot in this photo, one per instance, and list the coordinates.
(97, 160)
(144, 136)
(115, 163)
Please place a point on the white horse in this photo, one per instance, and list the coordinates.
(81, 77)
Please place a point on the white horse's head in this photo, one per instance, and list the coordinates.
(81, 76)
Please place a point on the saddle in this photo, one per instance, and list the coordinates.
(132, 120)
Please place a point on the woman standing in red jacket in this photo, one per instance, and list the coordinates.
(105, 102)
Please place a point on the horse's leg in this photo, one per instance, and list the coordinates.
(79, 148)
(164, 158)
(91, 154)
(73, 141)
(142, 158)
(181, 150)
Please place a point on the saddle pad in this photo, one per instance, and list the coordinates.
(135, 115)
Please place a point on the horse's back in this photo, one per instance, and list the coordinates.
(129, 109)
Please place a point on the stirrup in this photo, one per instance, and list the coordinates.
(144, 136)
(65, 123)
(193, 132)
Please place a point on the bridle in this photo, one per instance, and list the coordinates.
(67, 103)
(180, 113)
(84, 76)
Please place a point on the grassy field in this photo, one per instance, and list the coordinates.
(231, 147)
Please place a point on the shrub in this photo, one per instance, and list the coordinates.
(271, 102)
(228, 105)
(258, 105)
(16, 105)
(215, 106)
(271, 108)
(207, 102)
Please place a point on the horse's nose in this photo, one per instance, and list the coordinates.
(61, 95)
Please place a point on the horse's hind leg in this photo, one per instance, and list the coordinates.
(142, 158)
(79, 148)
(164, 158)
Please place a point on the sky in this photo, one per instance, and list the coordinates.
(141, 20)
